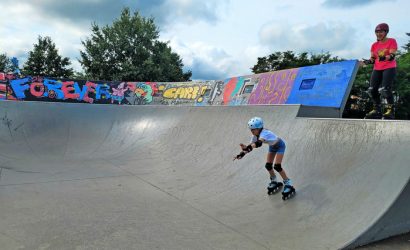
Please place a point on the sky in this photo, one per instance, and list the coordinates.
(215, 39)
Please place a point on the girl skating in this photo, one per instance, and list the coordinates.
(274, 157)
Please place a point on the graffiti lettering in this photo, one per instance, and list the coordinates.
(37, 89)
(91, 87)
(3, 91)
(69, 90)
(185, 92)
(53, 89)
(19, 86)
(57, 90)
(102, 92)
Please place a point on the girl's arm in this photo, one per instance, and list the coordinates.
(253, 145)
(249, 148)
(391, 55)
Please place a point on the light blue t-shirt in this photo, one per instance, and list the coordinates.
(269, 137)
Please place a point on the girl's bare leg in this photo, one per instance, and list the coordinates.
(278, 160)
(269, 159)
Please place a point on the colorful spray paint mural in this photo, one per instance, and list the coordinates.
(3, 90)
(273, 87)
(232, 90)
(323, 85)
(183, 93)
(131, 93)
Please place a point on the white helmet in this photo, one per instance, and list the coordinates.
(255, 122)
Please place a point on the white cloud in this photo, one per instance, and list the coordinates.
(20, 34)
(205, 61)
(351, 3)
(67, 23)
(215, 39)
(249, 58)
(331, 37)
(189, 11)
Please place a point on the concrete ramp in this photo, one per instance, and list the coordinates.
(78, 176)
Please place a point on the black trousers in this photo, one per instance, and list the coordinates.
(381, 83)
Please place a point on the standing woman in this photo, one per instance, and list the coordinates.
(383, 56)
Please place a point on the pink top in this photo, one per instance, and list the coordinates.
(383, 49)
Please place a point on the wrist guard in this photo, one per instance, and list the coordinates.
(391, 57)
(240, 155)
(248, 148)
(368, 61)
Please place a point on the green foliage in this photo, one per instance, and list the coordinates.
(5, 63)
(129, 50)
(403, 86)
(407, 46)
(77, 75)
(358, 102)
(288, 59)
(44, 60)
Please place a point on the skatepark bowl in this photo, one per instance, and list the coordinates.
(80, 176)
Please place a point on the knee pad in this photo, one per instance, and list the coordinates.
(385, 92)
(372, 92)
(269, 166)
(278, 167)
(369, 90)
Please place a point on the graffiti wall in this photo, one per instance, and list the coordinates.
(323, 85)
(131, 93)
(274, 87)
(3, 87)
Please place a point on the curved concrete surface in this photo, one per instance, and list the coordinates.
(77, 176)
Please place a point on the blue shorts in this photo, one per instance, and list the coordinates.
(279, 148)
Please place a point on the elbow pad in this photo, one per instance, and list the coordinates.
(258, 143)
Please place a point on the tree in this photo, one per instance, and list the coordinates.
(79, 75)
(5, 63)
(358, 95)
(129, 50)
(44, 60)
(407, 46)
(403, 86)
(288, 59)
